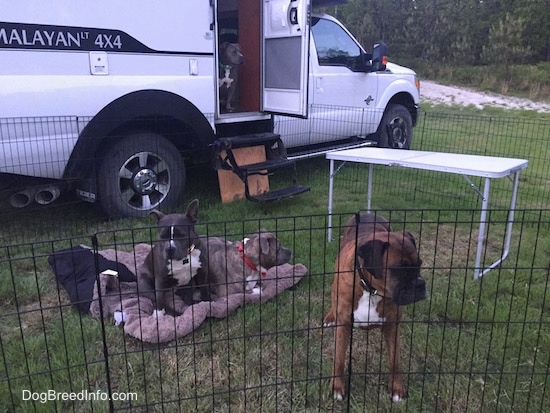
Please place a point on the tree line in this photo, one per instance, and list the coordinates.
(457, 32)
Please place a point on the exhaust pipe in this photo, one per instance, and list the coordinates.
(22, 199)
(46, 195)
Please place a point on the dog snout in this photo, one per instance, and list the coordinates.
(237, 56)
(420, 291)
(411, 291)
(420, 282)
(283, 256)
(174, 250)
(170, 249)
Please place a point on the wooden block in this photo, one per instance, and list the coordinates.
(231, 187)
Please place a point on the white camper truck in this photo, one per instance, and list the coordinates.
(114, 99)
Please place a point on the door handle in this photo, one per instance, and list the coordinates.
(319, 84)
(293, 15)
(213, 15)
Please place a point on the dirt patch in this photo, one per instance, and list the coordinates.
(434, 93)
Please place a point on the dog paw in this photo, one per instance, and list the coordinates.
(256, 290)
(120, 317)
(158, 313)
(396, 398)
(338, 389)
(329, 320)
(398, 393)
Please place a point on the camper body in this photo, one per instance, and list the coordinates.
(115, 102)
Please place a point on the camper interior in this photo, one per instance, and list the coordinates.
(239, 22)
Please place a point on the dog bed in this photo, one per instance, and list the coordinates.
(117, 297)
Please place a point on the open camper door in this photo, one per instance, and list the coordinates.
(285, 56)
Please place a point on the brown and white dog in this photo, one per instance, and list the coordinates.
(376, 272)
(173, 262)
(237, 267)
(230, 58)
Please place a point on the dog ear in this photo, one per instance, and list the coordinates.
(157, 214)
(410, 236)
(192, 212)
(264, 243)
(372, 253)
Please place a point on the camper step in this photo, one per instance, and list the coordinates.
(253, 157)
(278, 194)
(254, 139)
(263, 168)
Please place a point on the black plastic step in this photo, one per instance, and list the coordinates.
(267, 166)
(278, 194)
(245, 141)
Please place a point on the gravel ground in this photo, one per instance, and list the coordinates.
(431, 92)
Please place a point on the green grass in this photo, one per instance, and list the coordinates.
(472, 346)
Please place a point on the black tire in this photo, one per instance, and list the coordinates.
(142, 172)
(396, 128)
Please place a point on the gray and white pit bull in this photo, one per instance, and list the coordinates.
(237, 267)
(172, 265)
(231, 58)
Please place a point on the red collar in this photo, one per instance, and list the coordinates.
(247, 261)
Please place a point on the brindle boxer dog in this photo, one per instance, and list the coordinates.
(376, 272)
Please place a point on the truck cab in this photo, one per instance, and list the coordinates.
(349, 96)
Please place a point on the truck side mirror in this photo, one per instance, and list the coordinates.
(379, 56)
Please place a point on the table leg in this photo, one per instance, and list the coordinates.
(330, 193)
(369, 187)
(482, 222)
(509, 224)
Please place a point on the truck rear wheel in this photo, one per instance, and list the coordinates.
(396, 128)
(142, 172)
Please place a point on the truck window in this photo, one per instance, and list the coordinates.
(334, 46)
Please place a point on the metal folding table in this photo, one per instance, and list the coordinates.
(488, 167)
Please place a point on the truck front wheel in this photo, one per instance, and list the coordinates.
(396, 129)
(142, 172)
